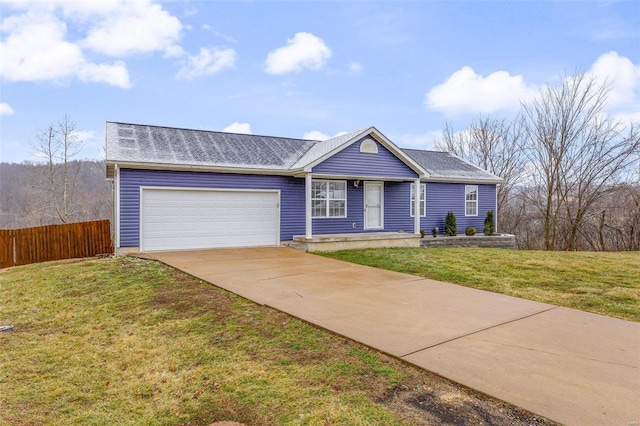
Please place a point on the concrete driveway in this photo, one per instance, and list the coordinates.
(570, 366)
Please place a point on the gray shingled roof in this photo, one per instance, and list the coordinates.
(134, 143)
(154, 145)
(446, 166)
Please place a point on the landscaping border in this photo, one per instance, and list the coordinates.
(505, 241)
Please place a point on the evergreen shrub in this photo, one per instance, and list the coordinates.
(489, 224)
(450, 225)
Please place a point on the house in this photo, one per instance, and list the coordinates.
(191, 189)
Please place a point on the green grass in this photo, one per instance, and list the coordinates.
(603, 283)
(130, 341)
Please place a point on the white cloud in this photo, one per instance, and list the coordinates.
(174, 51)
(36, 50)
(115, 74)
(5, 109)
(236, 127)
(304, 50)
(624, 79)
(132, 27)
(207, 62)
(355, 68)
(317, 135)
(467, 92)
(48, 41)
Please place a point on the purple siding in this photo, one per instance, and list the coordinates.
(351, 162)
(396, 214)
(396, 207)
(443, 197)
(291, 196)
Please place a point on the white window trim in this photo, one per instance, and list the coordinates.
(467, 189)
(327, 181)
(423, 201)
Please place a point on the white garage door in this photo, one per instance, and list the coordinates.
(180, 219)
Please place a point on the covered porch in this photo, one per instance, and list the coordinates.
(358, 202)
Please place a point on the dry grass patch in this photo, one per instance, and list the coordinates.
(130, 341)
(603, 283)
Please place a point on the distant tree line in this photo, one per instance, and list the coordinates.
(58, 188)
(571, 172)
(26, 200)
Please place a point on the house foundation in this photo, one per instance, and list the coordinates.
(336, 242)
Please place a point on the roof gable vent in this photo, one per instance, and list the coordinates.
(369, 146)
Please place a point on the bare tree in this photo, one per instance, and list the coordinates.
(23, 204)
(496, 146)
(576, 153)
(58, 145)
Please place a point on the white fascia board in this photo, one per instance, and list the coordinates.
(363, 178)
(203, 168)
(462, 180)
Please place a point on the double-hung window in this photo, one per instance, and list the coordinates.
(329, 198)
(423, 200)
(471, 200)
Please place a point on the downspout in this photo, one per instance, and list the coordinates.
(307, 209)
(495, 216)
(116, 208)
(416, 207)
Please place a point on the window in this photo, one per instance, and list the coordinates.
(328, 198)
(471, 200)
(369, 146)
(423, 200)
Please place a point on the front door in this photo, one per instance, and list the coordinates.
(373, 205)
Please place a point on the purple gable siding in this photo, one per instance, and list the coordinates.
(396, 214)
(443, 197)
(292, 205)
(351, 162)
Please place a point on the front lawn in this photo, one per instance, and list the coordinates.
(128, 341)
(603, 283)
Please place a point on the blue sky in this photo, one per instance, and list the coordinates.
(300, 69)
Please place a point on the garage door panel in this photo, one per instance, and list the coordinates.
(189, 219)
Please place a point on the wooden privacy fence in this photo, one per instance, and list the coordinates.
(54, 242)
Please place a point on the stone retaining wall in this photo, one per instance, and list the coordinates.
(505, 241)
(335, 242)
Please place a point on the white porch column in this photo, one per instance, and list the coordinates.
(416, 217)
(307, 208)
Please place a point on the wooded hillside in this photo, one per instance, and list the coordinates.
(26, 197)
